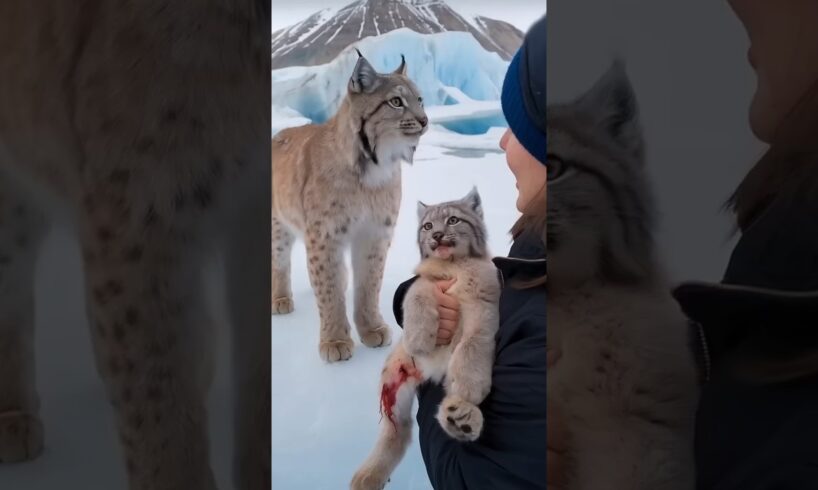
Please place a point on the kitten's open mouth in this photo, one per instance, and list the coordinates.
(443, 249)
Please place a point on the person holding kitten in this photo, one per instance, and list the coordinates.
(511, 451)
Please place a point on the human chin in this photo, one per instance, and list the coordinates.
(522, 201)
(762, 116)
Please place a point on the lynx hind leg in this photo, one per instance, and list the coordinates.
(282, 245)
(469, 376)
(461, 419)
(21, 231)
(470, 367)
(399, 382)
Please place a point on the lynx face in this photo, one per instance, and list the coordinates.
(599, 203)
(390, 108)
(452, 230)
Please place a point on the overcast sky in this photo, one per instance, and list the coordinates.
(520, 13)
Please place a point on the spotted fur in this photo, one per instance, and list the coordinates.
(338, 184)
(137, 120)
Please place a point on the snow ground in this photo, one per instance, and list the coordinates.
(325, 417)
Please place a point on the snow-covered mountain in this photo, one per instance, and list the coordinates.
(322, 36)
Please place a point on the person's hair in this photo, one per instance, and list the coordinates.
(789, 169)
(532, 222)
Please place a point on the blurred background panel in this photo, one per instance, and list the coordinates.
(687, 63)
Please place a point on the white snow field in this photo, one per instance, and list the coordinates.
(449, 68)
(325, 416)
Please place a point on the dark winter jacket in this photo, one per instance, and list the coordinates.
(753, 435)
(510, 453)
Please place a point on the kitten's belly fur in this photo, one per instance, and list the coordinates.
(434, 365)
(626, 387)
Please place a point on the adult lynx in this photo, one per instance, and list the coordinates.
(339, 183)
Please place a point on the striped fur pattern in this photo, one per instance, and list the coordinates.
(452, 240)
(625, 381)
(456, 224)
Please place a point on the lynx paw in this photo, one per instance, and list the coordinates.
(368, 478)
(460, 419)
(21, 437)
(336, 350)
(377, 337)
(282, 306)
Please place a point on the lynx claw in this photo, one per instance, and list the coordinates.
(283, 306)
(21, 436)
(378, 337)
(336, 350)
(460, 419)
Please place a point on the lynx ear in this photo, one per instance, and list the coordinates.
(364, 78)
(473, 200)
(402, 68)
(611, 103)
(421, 210)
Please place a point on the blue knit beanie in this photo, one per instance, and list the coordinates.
(523, 97)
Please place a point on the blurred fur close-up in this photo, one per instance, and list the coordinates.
(139, 130)
(626, 384)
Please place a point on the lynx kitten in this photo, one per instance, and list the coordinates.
(626, 380)
(452, 240)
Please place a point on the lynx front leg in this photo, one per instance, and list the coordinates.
(21, 430)
(369, 250)
(421, 318)
(328, 278)
(149, 330)
(282, 245)
(399, 381)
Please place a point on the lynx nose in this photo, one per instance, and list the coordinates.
(423, 121)
(437, 235)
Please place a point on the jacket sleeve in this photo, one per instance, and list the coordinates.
(511, 451)
(397, 301)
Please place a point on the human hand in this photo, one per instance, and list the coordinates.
(448, 309)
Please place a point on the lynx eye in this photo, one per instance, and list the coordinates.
(453, 220)
(556, 168)
(420, 99)
(427, 226)
(396, 102)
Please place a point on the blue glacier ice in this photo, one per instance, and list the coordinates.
(449, 68)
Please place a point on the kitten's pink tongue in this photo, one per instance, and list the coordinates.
(443, 252)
